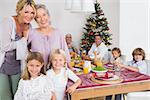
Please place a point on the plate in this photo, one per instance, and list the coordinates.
(115, 77)
(109, 65)
(114, 80)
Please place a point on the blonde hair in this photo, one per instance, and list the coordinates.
(60, 52)
(54, 52)
(138, 51)
(23, 3)
(33, 56)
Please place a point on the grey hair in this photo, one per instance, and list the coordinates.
(38, 6)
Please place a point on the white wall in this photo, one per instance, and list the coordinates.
(7, 8)
(134, 26)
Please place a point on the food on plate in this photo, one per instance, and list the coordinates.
(72, 63)
(106, 76)
(80, 64)
(99, 70)
(98, 63)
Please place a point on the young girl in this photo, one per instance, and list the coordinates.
(138, 64)
(34, 84)
(60, 74)
(117, 56)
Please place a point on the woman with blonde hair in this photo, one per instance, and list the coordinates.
(13, 32)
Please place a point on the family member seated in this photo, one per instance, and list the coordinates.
(99, 49)
(138, 64)
(70, 45)
(116, 57)
(59, 73)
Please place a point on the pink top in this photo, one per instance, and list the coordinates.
(46, 43)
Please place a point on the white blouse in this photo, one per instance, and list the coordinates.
(7, 43)
(121, 59)
(141, 65)
(102, 50)
(40, 88)
(60, 81)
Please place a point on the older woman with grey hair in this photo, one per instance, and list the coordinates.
(45, 38)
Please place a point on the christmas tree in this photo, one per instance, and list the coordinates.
(96, 25)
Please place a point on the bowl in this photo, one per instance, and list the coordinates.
(99, 70)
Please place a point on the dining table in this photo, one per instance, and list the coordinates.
(131, 82)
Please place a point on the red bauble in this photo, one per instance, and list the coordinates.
(91, 33)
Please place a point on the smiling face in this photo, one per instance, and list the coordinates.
(42, 17)
(98, 40)
(138, 54)
(115, 54)
(34, 67)
(68, 38)
(58, 61)
(138, 57)
(27, 14)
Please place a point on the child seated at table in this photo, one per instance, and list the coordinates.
(116, 57)
(138, 64)
(59, 73)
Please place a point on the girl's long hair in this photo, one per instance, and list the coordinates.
(33, 56)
